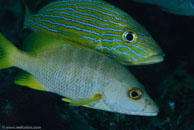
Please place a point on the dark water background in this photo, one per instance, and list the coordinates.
(170, 83)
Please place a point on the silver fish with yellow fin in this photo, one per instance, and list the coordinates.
(179, 7)
(98, 26)
(83, 77)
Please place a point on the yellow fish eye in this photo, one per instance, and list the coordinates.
(134, 93)
(129, 36)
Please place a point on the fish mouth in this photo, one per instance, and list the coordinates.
(149, 114)
(151, 111)
(140, 113)
(150, 60)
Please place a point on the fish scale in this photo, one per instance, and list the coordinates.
(56, 80)
(98, 26)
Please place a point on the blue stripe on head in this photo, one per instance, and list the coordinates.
(143, 39)
(142, 50)
(124, 46)
(112, 48)
(146, 45)
(123, 53)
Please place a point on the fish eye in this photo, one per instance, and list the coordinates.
(129, 36)
(134, 93)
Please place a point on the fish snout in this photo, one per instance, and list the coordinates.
(150, 109)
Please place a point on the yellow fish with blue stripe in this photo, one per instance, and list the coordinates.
(98, 26)
(82, 77)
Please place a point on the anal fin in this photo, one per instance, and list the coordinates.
(26, 79)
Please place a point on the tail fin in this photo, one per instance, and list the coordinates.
(7, 52)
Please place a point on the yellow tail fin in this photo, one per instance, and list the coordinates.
(7, 52)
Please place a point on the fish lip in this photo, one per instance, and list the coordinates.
(150, 114)
(151, 60)
(139, 113)
(155, 113)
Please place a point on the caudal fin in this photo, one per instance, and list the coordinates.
(7, 52)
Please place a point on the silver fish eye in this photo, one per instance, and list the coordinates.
(129, 36)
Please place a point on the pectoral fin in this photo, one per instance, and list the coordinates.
(83, 101)
(40, 41)
(26, 79)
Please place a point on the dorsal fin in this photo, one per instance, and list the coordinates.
(26, 79)
(39, 41)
